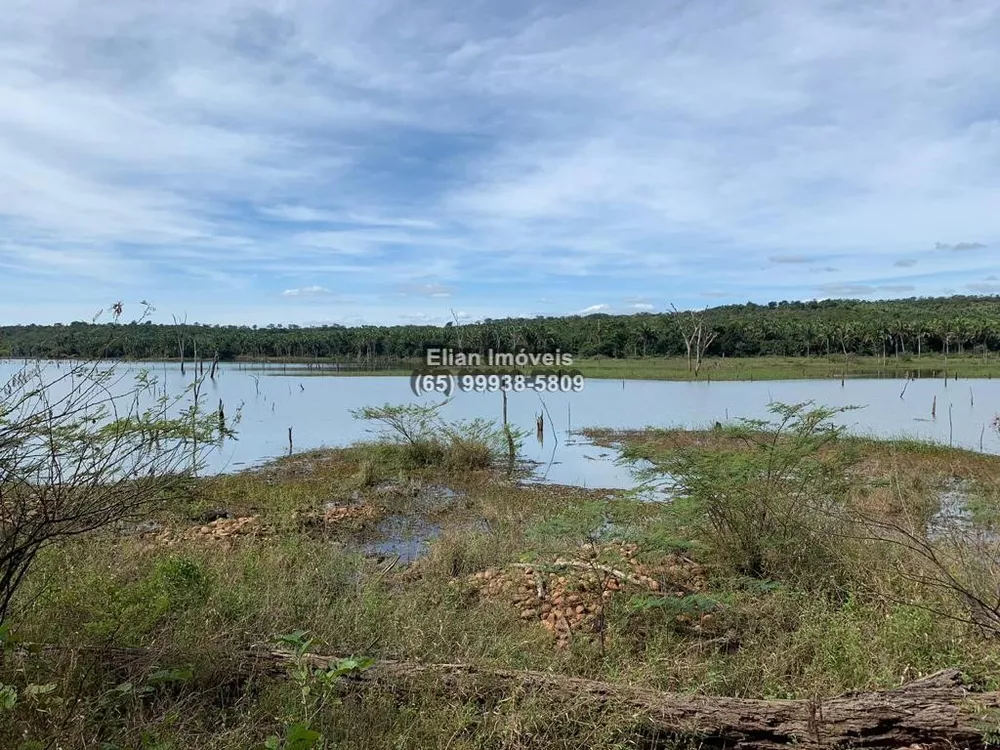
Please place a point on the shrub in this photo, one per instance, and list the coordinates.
(182, 580)
(769, 509)
(427, 440)
(84, 448)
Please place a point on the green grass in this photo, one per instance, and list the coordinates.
(788, 368)
(197, 604)
(741, 368)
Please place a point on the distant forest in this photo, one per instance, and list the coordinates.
(908, 326)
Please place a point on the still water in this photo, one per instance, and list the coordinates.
(318, 409)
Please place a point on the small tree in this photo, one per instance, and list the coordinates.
(86, 446)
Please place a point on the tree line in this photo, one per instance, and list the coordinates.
(959, 324)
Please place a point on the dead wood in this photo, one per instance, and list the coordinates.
(938, 711)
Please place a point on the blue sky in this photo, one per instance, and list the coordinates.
(391, 162)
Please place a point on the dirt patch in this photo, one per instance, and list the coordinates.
(567, 596)
(309, 467)
(375, 506)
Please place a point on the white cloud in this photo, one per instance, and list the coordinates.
(981, 288)
(641, 306)
(306, 214)
(897, 288)
(419, 318)
(221, 151)
(594, 309)
(846, 290)
(300, 214)
(862, 290)
(306, 291)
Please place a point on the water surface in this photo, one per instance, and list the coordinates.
(318, 409)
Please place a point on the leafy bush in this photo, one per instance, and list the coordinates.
(769, 509)
(427, 440)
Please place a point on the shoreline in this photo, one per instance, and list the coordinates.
(655, 368)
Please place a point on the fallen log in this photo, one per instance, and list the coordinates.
(938, 711)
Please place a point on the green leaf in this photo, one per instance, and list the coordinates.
(301, 737)
(296, 640)
(8, 696)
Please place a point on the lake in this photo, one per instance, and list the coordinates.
(318, 409)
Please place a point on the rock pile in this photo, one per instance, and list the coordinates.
(219, 530)
(223, 528)
(568, 595)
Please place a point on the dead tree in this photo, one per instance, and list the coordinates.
(181, 343)
(696, 338)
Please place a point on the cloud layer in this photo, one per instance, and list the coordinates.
(252, 161)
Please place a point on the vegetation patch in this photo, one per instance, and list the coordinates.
(270, 609)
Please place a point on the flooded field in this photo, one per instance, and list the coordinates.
(316, 412)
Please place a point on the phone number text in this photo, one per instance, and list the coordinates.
(427, 382)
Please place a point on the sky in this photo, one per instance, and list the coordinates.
(320, 161)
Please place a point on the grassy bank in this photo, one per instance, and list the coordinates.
(676, 368)
(739, 368)
(381, 551)
(791, 368)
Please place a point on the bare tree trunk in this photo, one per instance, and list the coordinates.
(694, 337)
(511, 446)
(702, 343)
